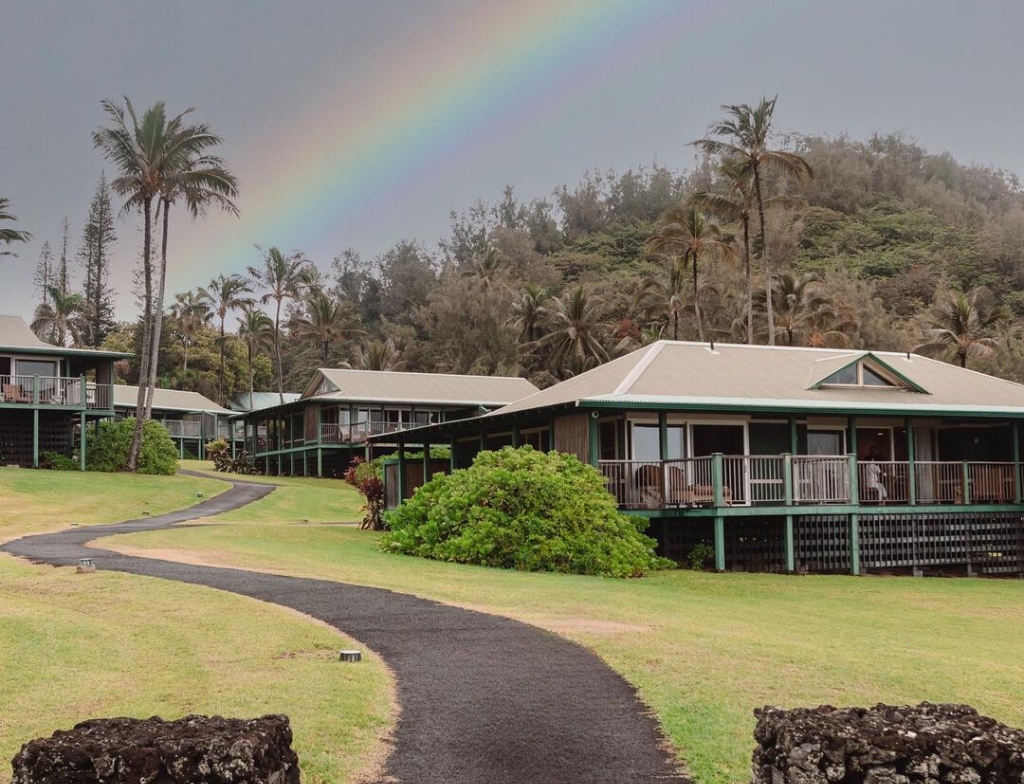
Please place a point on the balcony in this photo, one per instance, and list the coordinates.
(178, 428)
(55, 391)
(719, 481)
(357, 433)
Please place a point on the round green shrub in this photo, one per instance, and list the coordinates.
(108, 443)
(526, 510)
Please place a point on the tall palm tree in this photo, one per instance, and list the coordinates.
(145, 150)
(963, 326)
(325, 321)
(736, 203)
(743, 137)
(804, 315)
(225, 293)
(200, 180)
(8, 235)
(57, 318)
(256, 330)
(283, 276)
(377, 355)
(682, 236)
(574, 340)
(191, 313)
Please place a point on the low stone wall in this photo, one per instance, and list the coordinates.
(932, 744)
(192, 750)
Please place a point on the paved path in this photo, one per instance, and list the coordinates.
(483, 699)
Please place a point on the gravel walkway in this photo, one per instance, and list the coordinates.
(483, 699)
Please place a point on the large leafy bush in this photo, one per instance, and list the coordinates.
(107, 448)
(527, 510)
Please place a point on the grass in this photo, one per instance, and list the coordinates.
(38, 501)
(105, 644)
(704, 649)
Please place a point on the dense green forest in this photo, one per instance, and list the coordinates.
(886, 246)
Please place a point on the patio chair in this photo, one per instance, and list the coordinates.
(13, 393)
(648, 482)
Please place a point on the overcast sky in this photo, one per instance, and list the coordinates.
(358, 124)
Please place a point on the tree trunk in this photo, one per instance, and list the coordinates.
(158, 315)
(696, 304)
(277, 351)
(220, 383)
(184, 367)
(147, 321)
(770, 307)
(750, 281)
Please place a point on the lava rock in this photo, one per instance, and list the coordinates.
(886, 744)
(192, 750)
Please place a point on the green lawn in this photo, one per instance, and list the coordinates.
(34, 501)
(704, 649)
(105, 644)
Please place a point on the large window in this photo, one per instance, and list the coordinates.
(36, 367)
(646, 442)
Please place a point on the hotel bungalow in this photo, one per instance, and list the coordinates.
(784, 459)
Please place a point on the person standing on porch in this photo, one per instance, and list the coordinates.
(873, 475)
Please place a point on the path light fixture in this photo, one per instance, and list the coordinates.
(351, 656)
(85, 565)
(199, 495)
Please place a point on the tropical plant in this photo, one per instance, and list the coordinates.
(284, 277)
(256, 331)
(683, 235)
(225, 293)
(109, 443)
(190, 312)
(376, 355)
(573, 341)
(7, 234)
(325, 321)
(804, 314)
(366, 479)
(743, 138)
(59, 317)
(963, 326)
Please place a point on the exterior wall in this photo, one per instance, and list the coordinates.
(572, 436)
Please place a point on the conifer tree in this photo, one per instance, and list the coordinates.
(94, 254)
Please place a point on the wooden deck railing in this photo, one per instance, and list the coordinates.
(56, 391)
(804, 480)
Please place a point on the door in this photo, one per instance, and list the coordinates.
(731, 441)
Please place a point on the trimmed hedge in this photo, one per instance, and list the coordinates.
(526, 510)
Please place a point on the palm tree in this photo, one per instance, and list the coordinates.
(145, 151)
(744, 139)
(284, 276)
(225, 293)
(57, 318)
(963, 326)
(804, 314)
(683, 235)
(574, 340)
(326, 320)
(8, 235)
(200, 180)
(256, 330)
(191, 313)
(377, 355)
(735, 204)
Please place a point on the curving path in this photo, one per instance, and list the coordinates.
(483, 699)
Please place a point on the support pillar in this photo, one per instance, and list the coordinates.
(320, 463)
(717, 480)
(911, 471)
(719, 543)
(426, 462)
(81, 441)
(851, 426)
(401, 473)
(451, 454)
(1015, 432)
(794, 440)
(35, 430)
(790, 545)
(855, 544)
(593, 434)
(663, 435)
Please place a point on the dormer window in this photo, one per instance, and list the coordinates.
(865, 371)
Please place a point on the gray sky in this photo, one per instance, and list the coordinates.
(360, 124)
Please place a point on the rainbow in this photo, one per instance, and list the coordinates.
(408, 119)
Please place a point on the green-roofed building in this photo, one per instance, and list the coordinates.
(786, 459)
(48, 394)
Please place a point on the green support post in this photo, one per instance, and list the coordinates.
(787, 478)
(451, 454)
(911, 471)
(515, 437)
(855, 544)
(426, 462)
(663, 435)
(1015, 432)
(291, 463)
(181, 448)
(716, 480)
(320, 463)
(551, 434)
(35, 432)
(483, 441)
(401, 472)
(851, 425)
(854, 479)
(35, 390)
(790, 548)
(81, 441)
(719, 543)
(794, 439)
(593, 433)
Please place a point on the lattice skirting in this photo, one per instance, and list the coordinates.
(56, 434)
